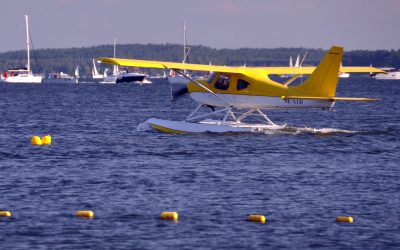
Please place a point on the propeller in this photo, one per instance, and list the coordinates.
(175, 94)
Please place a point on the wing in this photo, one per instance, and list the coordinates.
(227, 69)
(360, 70)
(169, 65)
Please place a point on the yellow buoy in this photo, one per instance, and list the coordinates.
(347, 219)
(256, 218)
(5, 213)
(85, 214)
(46, 140)
(36, 140)
(169, 216)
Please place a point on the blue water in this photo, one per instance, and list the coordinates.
(324, 164)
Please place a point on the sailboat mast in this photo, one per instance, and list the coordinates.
(184, 42)
(115, 41)
(27, 44)
(115, 67)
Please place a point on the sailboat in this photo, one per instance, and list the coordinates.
(95, 73)
(178, 83)
(111, 79)
(77, 73)
(173, 78)
(22, 75)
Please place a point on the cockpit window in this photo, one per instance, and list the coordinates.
(222, 82)
(242, 84)
(212, 77)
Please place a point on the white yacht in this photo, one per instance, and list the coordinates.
(343, 74)
(391, 74)
(22, 75)
(61, 77)
(123, 76)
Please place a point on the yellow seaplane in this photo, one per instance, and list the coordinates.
(236, 98)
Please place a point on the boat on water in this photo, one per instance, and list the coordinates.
(22, 75)
(178, 81)
(123, 76)
(344, 75)
(126, 77)
(391, 74)
(95, 73)
(61, 77)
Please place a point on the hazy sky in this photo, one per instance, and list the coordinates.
(354, 24)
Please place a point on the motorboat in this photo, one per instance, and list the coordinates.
(123, 76)
(344, 75)
(60, 77)
(22, 75)
(391, 74)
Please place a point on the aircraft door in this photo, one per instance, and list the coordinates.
(243, 89)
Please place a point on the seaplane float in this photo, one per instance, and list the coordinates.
(234, 99)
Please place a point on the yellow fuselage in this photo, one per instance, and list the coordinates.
(257, 91)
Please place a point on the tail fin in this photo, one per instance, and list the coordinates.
(324, 79)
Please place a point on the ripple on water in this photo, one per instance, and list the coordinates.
(301, 176)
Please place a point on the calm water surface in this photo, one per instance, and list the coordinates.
(324, 164)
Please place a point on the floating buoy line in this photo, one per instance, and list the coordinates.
(174, 216)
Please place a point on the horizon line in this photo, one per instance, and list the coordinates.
(198, 45)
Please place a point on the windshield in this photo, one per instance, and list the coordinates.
(212, 77)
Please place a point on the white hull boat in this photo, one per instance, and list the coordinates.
(394, 75)
(60, 78)
(23, 78)
(123, 76)
(344, 75)
(23, 75)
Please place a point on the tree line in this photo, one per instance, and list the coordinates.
(65, 60)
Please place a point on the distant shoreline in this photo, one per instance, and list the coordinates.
(66, 59)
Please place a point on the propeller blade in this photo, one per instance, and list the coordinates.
(179, 92)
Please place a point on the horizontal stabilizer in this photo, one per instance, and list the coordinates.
(333, 99)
